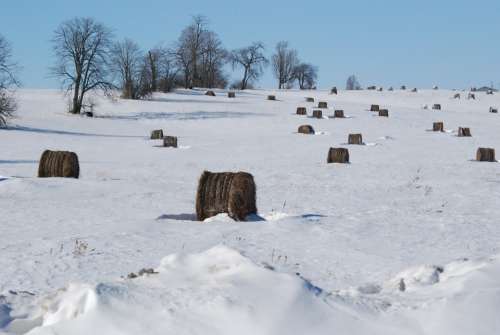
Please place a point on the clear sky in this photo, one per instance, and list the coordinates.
(418, 42)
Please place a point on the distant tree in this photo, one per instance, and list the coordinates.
(81, 47)
(352, 83)
(127, 65)
(153, 60)
(284, 62)
(252, 60)
(7, 80)
(306, 75)
(212, 60)
(167, 70)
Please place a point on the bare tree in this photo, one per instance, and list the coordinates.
(284, 62)
(81, 46)
(7, 80)
(127, 63)
(212, 59)
(352, 83)
(167, 70)
(306, 75)
(253, 61)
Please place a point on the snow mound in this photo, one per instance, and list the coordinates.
(218, 291)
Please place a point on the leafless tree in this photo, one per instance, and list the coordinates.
(306, 75)
(126, 64)
(252, 60)
(81, 47)
(7, 80)
(352, 83)
(212, 59)
(167, 70)
(284, 62)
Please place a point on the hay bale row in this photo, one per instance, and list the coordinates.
(157, 134)
(59, 164)
(301, 111)
(306, 129)
(226, 192)
(438, 126)
(485, 155)
(317, 114)
(383, 112)
(338, 155)
(170, 141)
(355, 139)
(464, 132)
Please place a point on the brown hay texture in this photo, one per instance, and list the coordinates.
(338, 155)
(226, 192)
(306, 129)
(464, 132)
(317, 114)
(355, 139)
(485, 155)
(170, 141)
(157, 134)
(338, 113)
(438, 126)
(58, 164)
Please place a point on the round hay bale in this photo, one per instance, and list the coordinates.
(485, 155)
(306, 129)
(271, 97)
(374, 108)
(170, 141)
(334, 90)
(456, 96)
(436, 107)
(317, 114)
(309, 99)
(493, 110)
(338, 155)
(231, 94)
(157, 134)
(438, 126)
(464, 132)
(226, 192)
(338, 113)
(355, 139)
(383, 112)
(301, 111)
(59, 164)
(210, 93)
(322, 104)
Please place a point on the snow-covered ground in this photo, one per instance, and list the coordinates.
(403, 240)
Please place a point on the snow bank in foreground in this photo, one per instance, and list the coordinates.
(220, 291)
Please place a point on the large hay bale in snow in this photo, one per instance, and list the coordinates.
(322, 104)
(306, 129)
(436, 107)
(485, 155)
(271, 97)
(231, 94)
(170, 141)
(464, 132)
(338, 155)
(157, 134)
(355, 139)
(226, 192)
(334, 91)
(374, 108)
(438, 126)
(210, 93)
(301, 111)
(317, 114)
(383, 112)
(59, 164)
(493, 110)
(338, 113)
(309, 99)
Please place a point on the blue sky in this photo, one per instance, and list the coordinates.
(417, 43)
